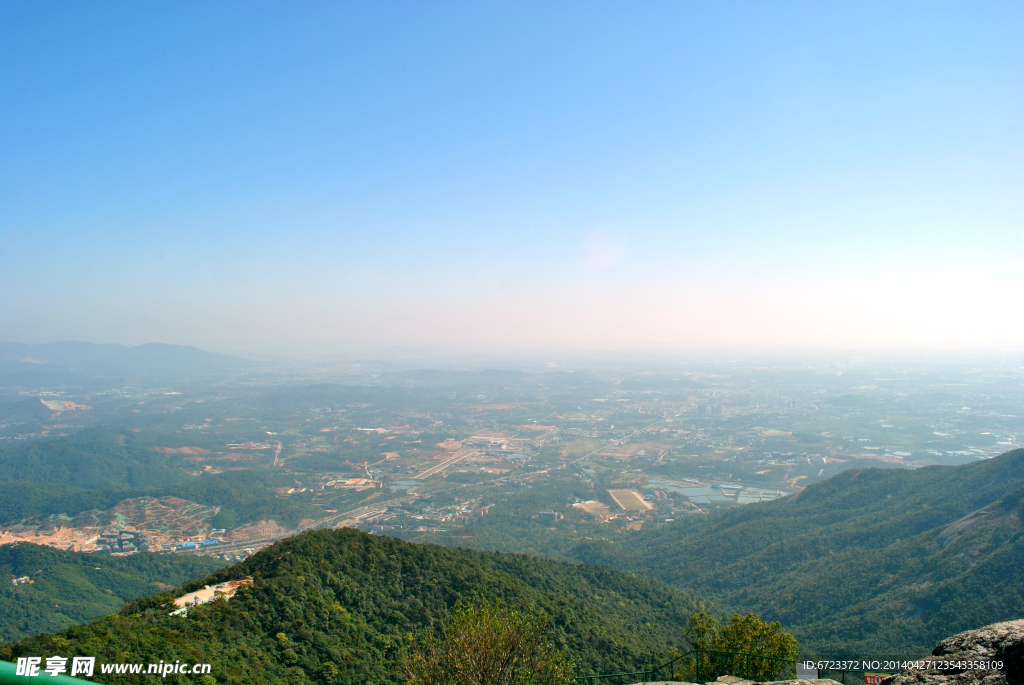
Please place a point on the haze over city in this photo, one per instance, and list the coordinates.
(333, 179)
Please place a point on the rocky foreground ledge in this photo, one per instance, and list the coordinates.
(971, 657)
(993, 655)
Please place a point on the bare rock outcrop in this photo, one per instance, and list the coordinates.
(993, 655)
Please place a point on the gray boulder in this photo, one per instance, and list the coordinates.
(999, 642)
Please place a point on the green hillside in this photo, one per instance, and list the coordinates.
(69, 588)
(337, 606)
(869, 562)
(94, 470)
(94, 458)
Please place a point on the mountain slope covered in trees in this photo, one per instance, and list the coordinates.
(869, 562)
(338, 606)
(69, 588)
(93, 459)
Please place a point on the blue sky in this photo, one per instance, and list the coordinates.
(349, 178)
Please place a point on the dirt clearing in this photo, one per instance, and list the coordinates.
(630, 500)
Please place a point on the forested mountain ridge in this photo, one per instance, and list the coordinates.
(77, 361)
(871, 561)
(338, 606)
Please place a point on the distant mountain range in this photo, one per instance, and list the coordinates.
(80, 363)
(869, 562)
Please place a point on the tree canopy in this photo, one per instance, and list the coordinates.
(487, 644)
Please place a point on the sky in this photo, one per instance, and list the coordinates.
(345, 178)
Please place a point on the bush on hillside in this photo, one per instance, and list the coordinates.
(733, 648)
(486, 644)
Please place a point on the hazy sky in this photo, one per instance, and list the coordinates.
(351, 177)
